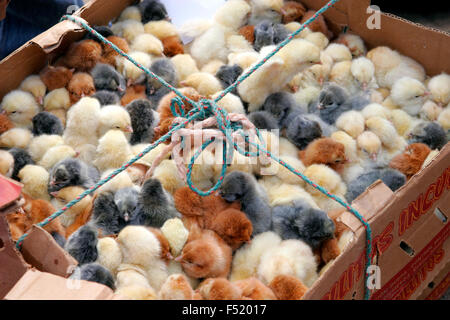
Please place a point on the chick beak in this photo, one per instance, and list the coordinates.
(21, 211)
(52, 183)
(169, 256)
(168, 19)
(54, 194)
(178, 259)
(374, 156)
(283, 12)
(320, 106)
(321, 81)
(427, 93)
(295, 88)
(320, 62)
(83, 95)
(77, 154)
(364, 86)
(152, 91)
(126, 217)
(40, 100)
(120, 89)
(129, 83)
(183, 84)
(4, 112)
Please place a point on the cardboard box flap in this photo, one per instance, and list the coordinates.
(11, 191)
(368, 204)
(41, 251)
(12, 264)
(36, 285)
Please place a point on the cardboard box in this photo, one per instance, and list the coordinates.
(410, 227)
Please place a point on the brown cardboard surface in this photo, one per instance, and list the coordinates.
(41, 251)
(37, 285)
(437, 288)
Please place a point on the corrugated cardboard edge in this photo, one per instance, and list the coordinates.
(41, 251)
(37, 285)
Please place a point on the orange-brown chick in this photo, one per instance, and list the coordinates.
(133, 92)
(172, 46)
(5, 123)
(219, 289)
(248, 32)
(165, 246)
(292, 11)
(81, 85)
(324, 151)
(252, 288)
(233, 226)
(205, 255)
(410, 161)
(56, 77)
(288, 287)
(82, 219)
(318, 25)
(329, 250)
(176, 287)
(109, 54)
(83, 55)
(18, 223)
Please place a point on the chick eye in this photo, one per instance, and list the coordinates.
(13, 112)
(417, 97)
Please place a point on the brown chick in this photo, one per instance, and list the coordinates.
(233, 226)
(172, 46)
(252, 288)
(176, 287)
(324, 151)
(248, 32)
(133, 92)
(292, 11)
(219, 289)
(18, 223)
(410, 161)
(165, 246)
(165, 113)
(288, 287)
(83, 55)
(5, 123)
(329, 250)
(82, 219)
(56, 77)
(109, 54)
(318, 25)
(81, 85)
(205, 255)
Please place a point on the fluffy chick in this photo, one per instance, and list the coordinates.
(353, 42)
(82, 245)
(265, 10)
(204, 83)
(410, 162)
(302, 222)
(106, 97)
(252, 288)
(263, 120)
(242, 187)
(232, 226)
(409, 94)
(176, 287)
(176, 233)
(439, 87)
(16, 138)
(21, 159)
(20, 107)
(81, 85)
(292, 11)
(35, 181)
(155, 205)
(286, 287)
(172, 46)
(56, 77)
(301, 131)
(109, 254)
(34, 85)
(113, 150)
(57, 102)
(63, 197)
(109, 55)
(47, 123)
(94, 272)
(324, 151)
(131, 12)
(429, 133)
(133, 74)
(55, 154)
(148, 43)
(6, 163)
(228, 74)
(165, 69)
(384, 129)
(106, 216)
(233, 14)
(5, 123)
(218, 289)
(107, 78)
(82, 55)
(185, 65)
(318, 25)
(114, 118)
(152, 10)
(352, 122)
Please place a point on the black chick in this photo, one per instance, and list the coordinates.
(103, 30)
(228, 75)
(264, 35)
(153, 10)
(107, 78)
(72, 172)
(280, 104)
(331, 103)
(165, 69)
(300, 221)
(105, 215)
(82, 244)
(60, 240)
(94, 272)
(242, 187)
(394, 179)
(155, 206)
(126, 200)
(143, 121)
(301, 131)
(106, 97)
(47, 123)
(21, 159)
(429, 133)
(280, 33)
(263, 120)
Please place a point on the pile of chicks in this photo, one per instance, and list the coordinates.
(346, 117)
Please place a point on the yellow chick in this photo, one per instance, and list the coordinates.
(176, 287)
(354, 43)
(338, 52)
(233, 14)
(430, 111)
(139, 246)
(113, 151)
(439, 87)
(230, 103)
(307, 95)
(409, 94)
(130, 71)
(128, 29)
(342, 75)
(204, 83)
(319, 39)
(210, 45)
(176, 233)
(21, 107)
(120, 181)
(237, 43)
(109, 254)
(363, 72)
(369, 145)
(161, 29)
(16, 138)
(290, 257)
(352, 122)
(352, 168)
(375, 110)
(6, 163)
(34, 85)
(247, 258)
(130, 13)
(384, 129)
(62, 197)
(82, 123)
(444, 118)
(114, 118)
(243, 59)
(57, 99)
(40, 144)
(56, 154)
(294, 26)
(286, 175)
(433, 154)
(212, 67)
(136, 292)
(147, 43)
(151, 155)
(185, 65)
(166, 172)
(35, 181)
(402, 121)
